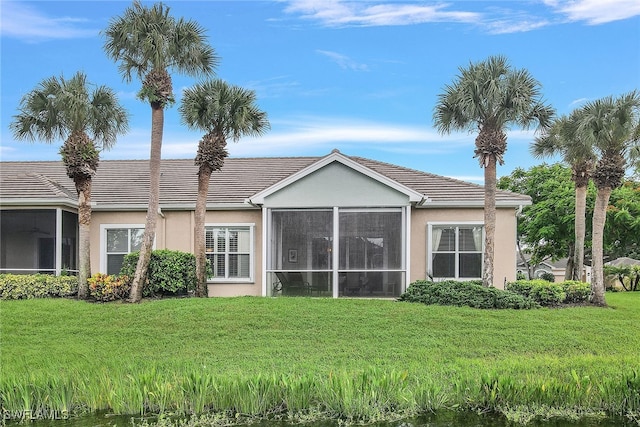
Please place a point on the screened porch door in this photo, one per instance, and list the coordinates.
(366, 259)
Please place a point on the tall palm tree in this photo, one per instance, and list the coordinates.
(488, 97)
(562, 139)
(223, 111)
(68, 110)
(610, 125)
(148, 42)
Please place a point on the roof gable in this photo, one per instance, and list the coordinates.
(335, 157)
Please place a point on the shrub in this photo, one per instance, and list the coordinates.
(576, 291)
(170, 272)
(27, 286)
(548, 276)
(549, 294)
(522, 287)
(471, 294)
(105, 287)
(546, 293)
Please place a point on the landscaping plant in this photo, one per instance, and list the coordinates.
(304, 359)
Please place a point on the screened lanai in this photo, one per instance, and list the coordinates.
(353, 252)
(38, 241)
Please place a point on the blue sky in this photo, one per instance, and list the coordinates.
(359, 76)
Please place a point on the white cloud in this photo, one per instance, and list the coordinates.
(313, 135)
(578, 101)
(339, 13)
(514, 18)
(322, 134)
(275, 87)
(515, 26)
(306, 135)
(344, 61)
(26, 22)
(596, 12)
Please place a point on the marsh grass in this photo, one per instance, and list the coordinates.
(299, 358)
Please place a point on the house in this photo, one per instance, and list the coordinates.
(332, 226)
(557, 268)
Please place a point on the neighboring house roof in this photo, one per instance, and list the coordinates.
(559, 264)
(124, 184)
(623, 261)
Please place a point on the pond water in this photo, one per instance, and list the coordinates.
(442, 419)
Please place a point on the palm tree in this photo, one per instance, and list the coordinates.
(610, 125)
(148, 42)
(223, 111)
(488, 97)
(68, 110)
(563, 139)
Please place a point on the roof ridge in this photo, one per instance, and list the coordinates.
(54, 186)
(192, 159)
(433, 175)
(457, 180)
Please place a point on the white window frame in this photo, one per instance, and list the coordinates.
(457, 251)
(103, 240)
(252, 253)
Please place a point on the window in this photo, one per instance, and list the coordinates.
(119, 240)
(456, 251)
(229, 249)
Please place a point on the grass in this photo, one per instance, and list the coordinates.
(352, 359)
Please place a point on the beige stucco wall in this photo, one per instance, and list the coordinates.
(505, 243)
(174, 231)
(99, 218)
(240, 217)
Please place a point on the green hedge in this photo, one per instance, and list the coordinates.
(170, 272)
(577, 292)
(471, 294)
(27, 286)
(551, 294)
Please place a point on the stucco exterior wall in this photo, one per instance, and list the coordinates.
(217, 289)
(99, 218)
(505, 243)
(175, 232)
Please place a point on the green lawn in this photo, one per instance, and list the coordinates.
(250, 355)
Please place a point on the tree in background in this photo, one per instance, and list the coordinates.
(546, 229)
(622, 227)
(88, 121)
(562, 139)
(223, 111)
(148, 42)
(610, 125)
(488, 97)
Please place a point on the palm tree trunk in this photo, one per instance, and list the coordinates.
(599, 218)
(83, 187)
(204, 175)
(580, 230)
(570, 270)
(524, 260)
(489, 220)
(140, 277)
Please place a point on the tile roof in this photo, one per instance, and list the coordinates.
(124, 184)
